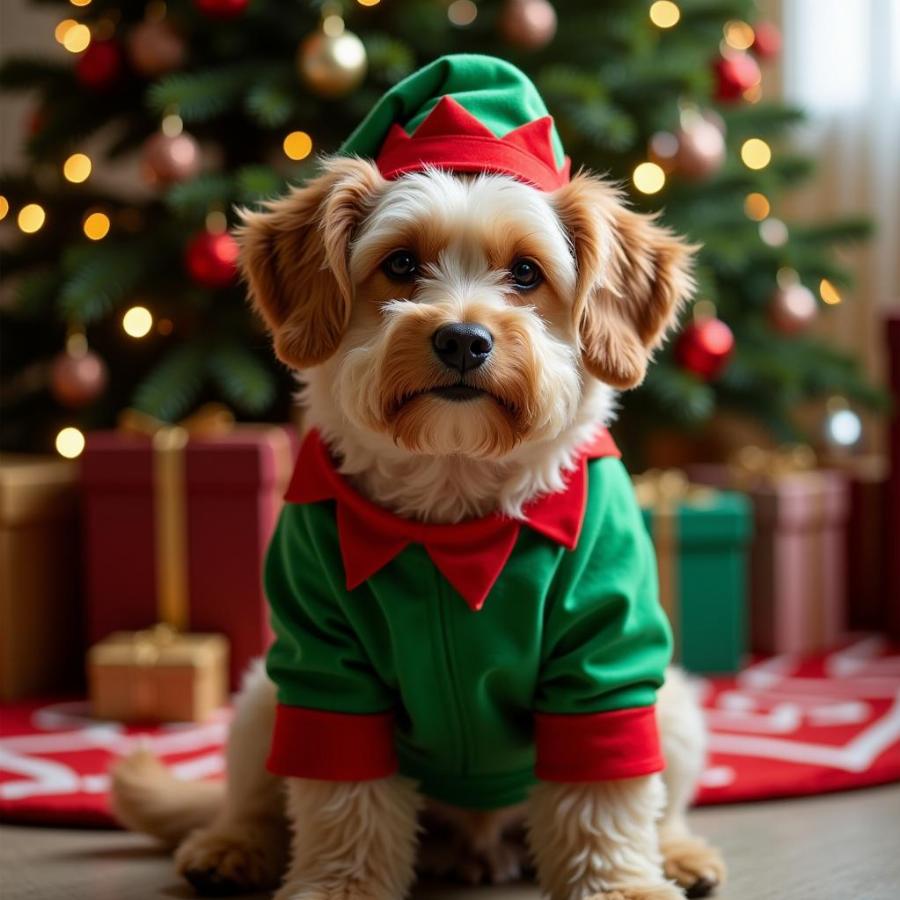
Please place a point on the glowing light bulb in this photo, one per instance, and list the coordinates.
(665, 14)
(77, 38)
(70, 443)
(96, 226)
(757, 206)
(333, 25)
(59, 33)
(462, 13)
(648, 178)
(80, 2)
(31, 218)
(77, 168)
(137, 321)
(297, 145)
(739, 35)
(368, 2)
(756, 153)
(4, 207)
(829, 293)
(172, 125)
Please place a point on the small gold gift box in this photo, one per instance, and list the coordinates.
(158, 675)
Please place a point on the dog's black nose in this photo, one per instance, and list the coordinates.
(463, 345)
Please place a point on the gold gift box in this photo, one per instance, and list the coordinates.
(158, 675)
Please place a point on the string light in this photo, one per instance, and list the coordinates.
(4, 207)
(96, 226)
(137, 321)
(648, 178)
(333, 25)
(77, 168)
(368, 2)
(462, 13)
(297, 145)
(70, 443)
(77, 38)
(62, 29)
(665, 14)
(757, 206)
(756, 153)
(829, 293)
(80, 2)
(31, 218)
(773, 232)
(738, 35)
(172, 125)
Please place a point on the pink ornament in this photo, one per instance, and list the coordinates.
(155, 48)
(528, 24)
(793, 309)
(167, 160)
(767, 40)
(77, 379)
(735, 73)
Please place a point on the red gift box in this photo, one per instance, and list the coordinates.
(190, 553)
(798, 554)
(893, 581)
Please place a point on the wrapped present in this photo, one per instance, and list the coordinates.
(158, 675)
(700, 535)
(41, 629)
(177, 520)
(892, 584)
(798, 554)
(866, 538)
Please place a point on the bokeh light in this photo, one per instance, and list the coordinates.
(829, 293)
(137, 321)
(31, 218)
(297, 145)
(462, 13)
(62, 29)
(756, 153)
(665, 14)
(77, 168)
(77, 38)
(96, 226)
(757, 206)
(648, 178)
(738, 35)
(70, 442)
(4, 207)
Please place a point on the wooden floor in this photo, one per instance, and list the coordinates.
(838, 847)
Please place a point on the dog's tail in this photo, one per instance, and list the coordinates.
(148, 798)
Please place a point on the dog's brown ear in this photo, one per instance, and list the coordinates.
(294, 258)
(633, 276)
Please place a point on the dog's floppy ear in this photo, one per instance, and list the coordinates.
(633, 276)
(294, 258)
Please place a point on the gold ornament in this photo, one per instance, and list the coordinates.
(332, 61)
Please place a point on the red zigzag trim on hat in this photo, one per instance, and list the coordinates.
(452, 138)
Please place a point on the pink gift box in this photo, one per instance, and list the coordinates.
(797, 557)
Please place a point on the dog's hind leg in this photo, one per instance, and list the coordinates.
(244, 847)
(695, 865)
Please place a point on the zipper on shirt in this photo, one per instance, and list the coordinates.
(456, 708)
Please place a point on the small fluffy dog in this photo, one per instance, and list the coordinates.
(459, 335)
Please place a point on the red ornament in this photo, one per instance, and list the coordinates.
(211, 259)
(735, 73)
(704, 347)
(221, 9)
(77, 379)
(766, 41)
(100, 65)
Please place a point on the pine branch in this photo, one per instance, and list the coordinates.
(173, 386)
(193, 199)
(27, 73)
(201, 96)
(242, 378)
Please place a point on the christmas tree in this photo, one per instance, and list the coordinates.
(131, 299)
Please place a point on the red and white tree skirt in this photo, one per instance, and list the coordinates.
(782, 727)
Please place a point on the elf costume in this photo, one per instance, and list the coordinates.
(475, 657)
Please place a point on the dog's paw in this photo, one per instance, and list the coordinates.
(697, 867)
(237, 859)
(640, 892)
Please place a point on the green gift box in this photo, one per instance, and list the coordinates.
(701, 537)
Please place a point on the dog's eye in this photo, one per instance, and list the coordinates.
(525, 274)
(401, 265)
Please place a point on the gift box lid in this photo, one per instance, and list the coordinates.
(710, 517)
(254, 457)
(159, 647)
(36, 488)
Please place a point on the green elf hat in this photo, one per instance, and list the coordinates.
(464, 113)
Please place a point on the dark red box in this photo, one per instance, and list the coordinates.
(233, 487)
(893, 585)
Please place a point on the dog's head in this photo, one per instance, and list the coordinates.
(461, 314)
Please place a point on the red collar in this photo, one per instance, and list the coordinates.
(470, 554)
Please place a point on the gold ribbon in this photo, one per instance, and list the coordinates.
(751, 466)
(170, 499)
(665, 492)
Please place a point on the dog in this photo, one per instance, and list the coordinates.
(354, 275)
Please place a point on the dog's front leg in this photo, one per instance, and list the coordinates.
(599, 841)
(351, 840)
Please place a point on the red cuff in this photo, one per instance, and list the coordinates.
(597, 746)
(311, 743)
